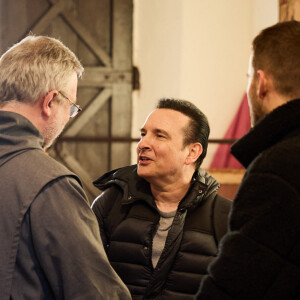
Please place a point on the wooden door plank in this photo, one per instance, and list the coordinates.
(85, 35)
(122, 34)
(51, 14)
(102, 76)
(121, 99)
(74, 165)
(87, 113)
(87, 38)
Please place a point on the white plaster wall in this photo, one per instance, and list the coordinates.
(196, 50)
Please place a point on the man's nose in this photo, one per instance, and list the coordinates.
(143, 144)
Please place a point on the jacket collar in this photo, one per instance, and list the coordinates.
(268, 131)
(136, 188)
(17, 134)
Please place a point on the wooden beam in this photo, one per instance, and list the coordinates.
(122, 34)
(52, 13)
(74, 165)
(85, 35)
(102, 76)
(122, 60)
(227, 176)
(87, 113)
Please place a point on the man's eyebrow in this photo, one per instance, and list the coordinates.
(156, 131)
(161, 131)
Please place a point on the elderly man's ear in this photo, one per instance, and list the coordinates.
(195, 150)
(47, 102)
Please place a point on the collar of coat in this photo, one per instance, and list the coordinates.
(17, 135)
(135, 188)
(282, 121)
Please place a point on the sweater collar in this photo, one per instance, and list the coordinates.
(267, 132)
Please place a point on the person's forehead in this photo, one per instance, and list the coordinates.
(169, 113)
(167, 118)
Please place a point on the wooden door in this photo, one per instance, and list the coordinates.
(100, 34)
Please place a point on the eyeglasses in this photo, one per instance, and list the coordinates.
(74, 108)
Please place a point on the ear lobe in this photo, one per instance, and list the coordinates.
(195, 150)
(47, 103)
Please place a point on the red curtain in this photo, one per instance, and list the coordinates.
(238, 127)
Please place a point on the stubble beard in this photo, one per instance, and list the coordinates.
(51, 133)
(256, 111)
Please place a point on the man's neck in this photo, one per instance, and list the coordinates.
(30, 111)
(273, 100)
(168, 196)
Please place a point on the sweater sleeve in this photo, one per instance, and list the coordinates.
(68, 246)
(258, 256)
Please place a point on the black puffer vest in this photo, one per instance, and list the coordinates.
(128, 219)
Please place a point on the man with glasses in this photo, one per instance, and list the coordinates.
(49, 235)
(74, 108)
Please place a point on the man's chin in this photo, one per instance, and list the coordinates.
(49, 142)
(142, 172)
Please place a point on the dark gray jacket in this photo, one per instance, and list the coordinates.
(128, 219)
(50, 245)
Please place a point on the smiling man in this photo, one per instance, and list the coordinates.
(161, 220)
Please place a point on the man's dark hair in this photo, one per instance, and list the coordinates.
(198, 129)
(276, 50)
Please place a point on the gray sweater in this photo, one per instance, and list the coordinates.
(50, 245)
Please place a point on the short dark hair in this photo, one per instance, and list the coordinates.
(198, 129)
(276, 50)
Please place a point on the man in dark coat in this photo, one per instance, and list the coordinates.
(260, 255)
(161, 220)
(50, 246)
